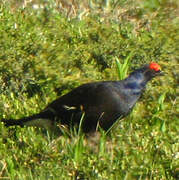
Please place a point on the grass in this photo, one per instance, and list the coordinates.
(49, 47)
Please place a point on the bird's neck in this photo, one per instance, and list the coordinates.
(135, 83)
(133, 87)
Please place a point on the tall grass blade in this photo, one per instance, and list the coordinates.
(122, 69)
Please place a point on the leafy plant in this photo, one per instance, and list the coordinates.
(122, 69)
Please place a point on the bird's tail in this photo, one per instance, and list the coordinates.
(44, 119)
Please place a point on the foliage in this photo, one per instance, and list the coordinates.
(50, 47)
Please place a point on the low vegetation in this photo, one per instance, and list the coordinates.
(49, 47)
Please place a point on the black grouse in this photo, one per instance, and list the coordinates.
(101, 103)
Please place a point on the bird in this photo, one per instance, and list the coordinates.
(94, 105)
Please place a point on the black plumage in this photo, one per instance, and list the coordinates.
(101, 102)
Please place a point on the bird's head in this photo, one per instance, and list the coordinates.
(152, 70)
(147, 72)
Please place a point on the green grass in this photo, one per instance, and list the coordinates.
(46, 52)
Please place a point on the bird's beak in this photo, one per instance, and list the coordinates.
(160, 73)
